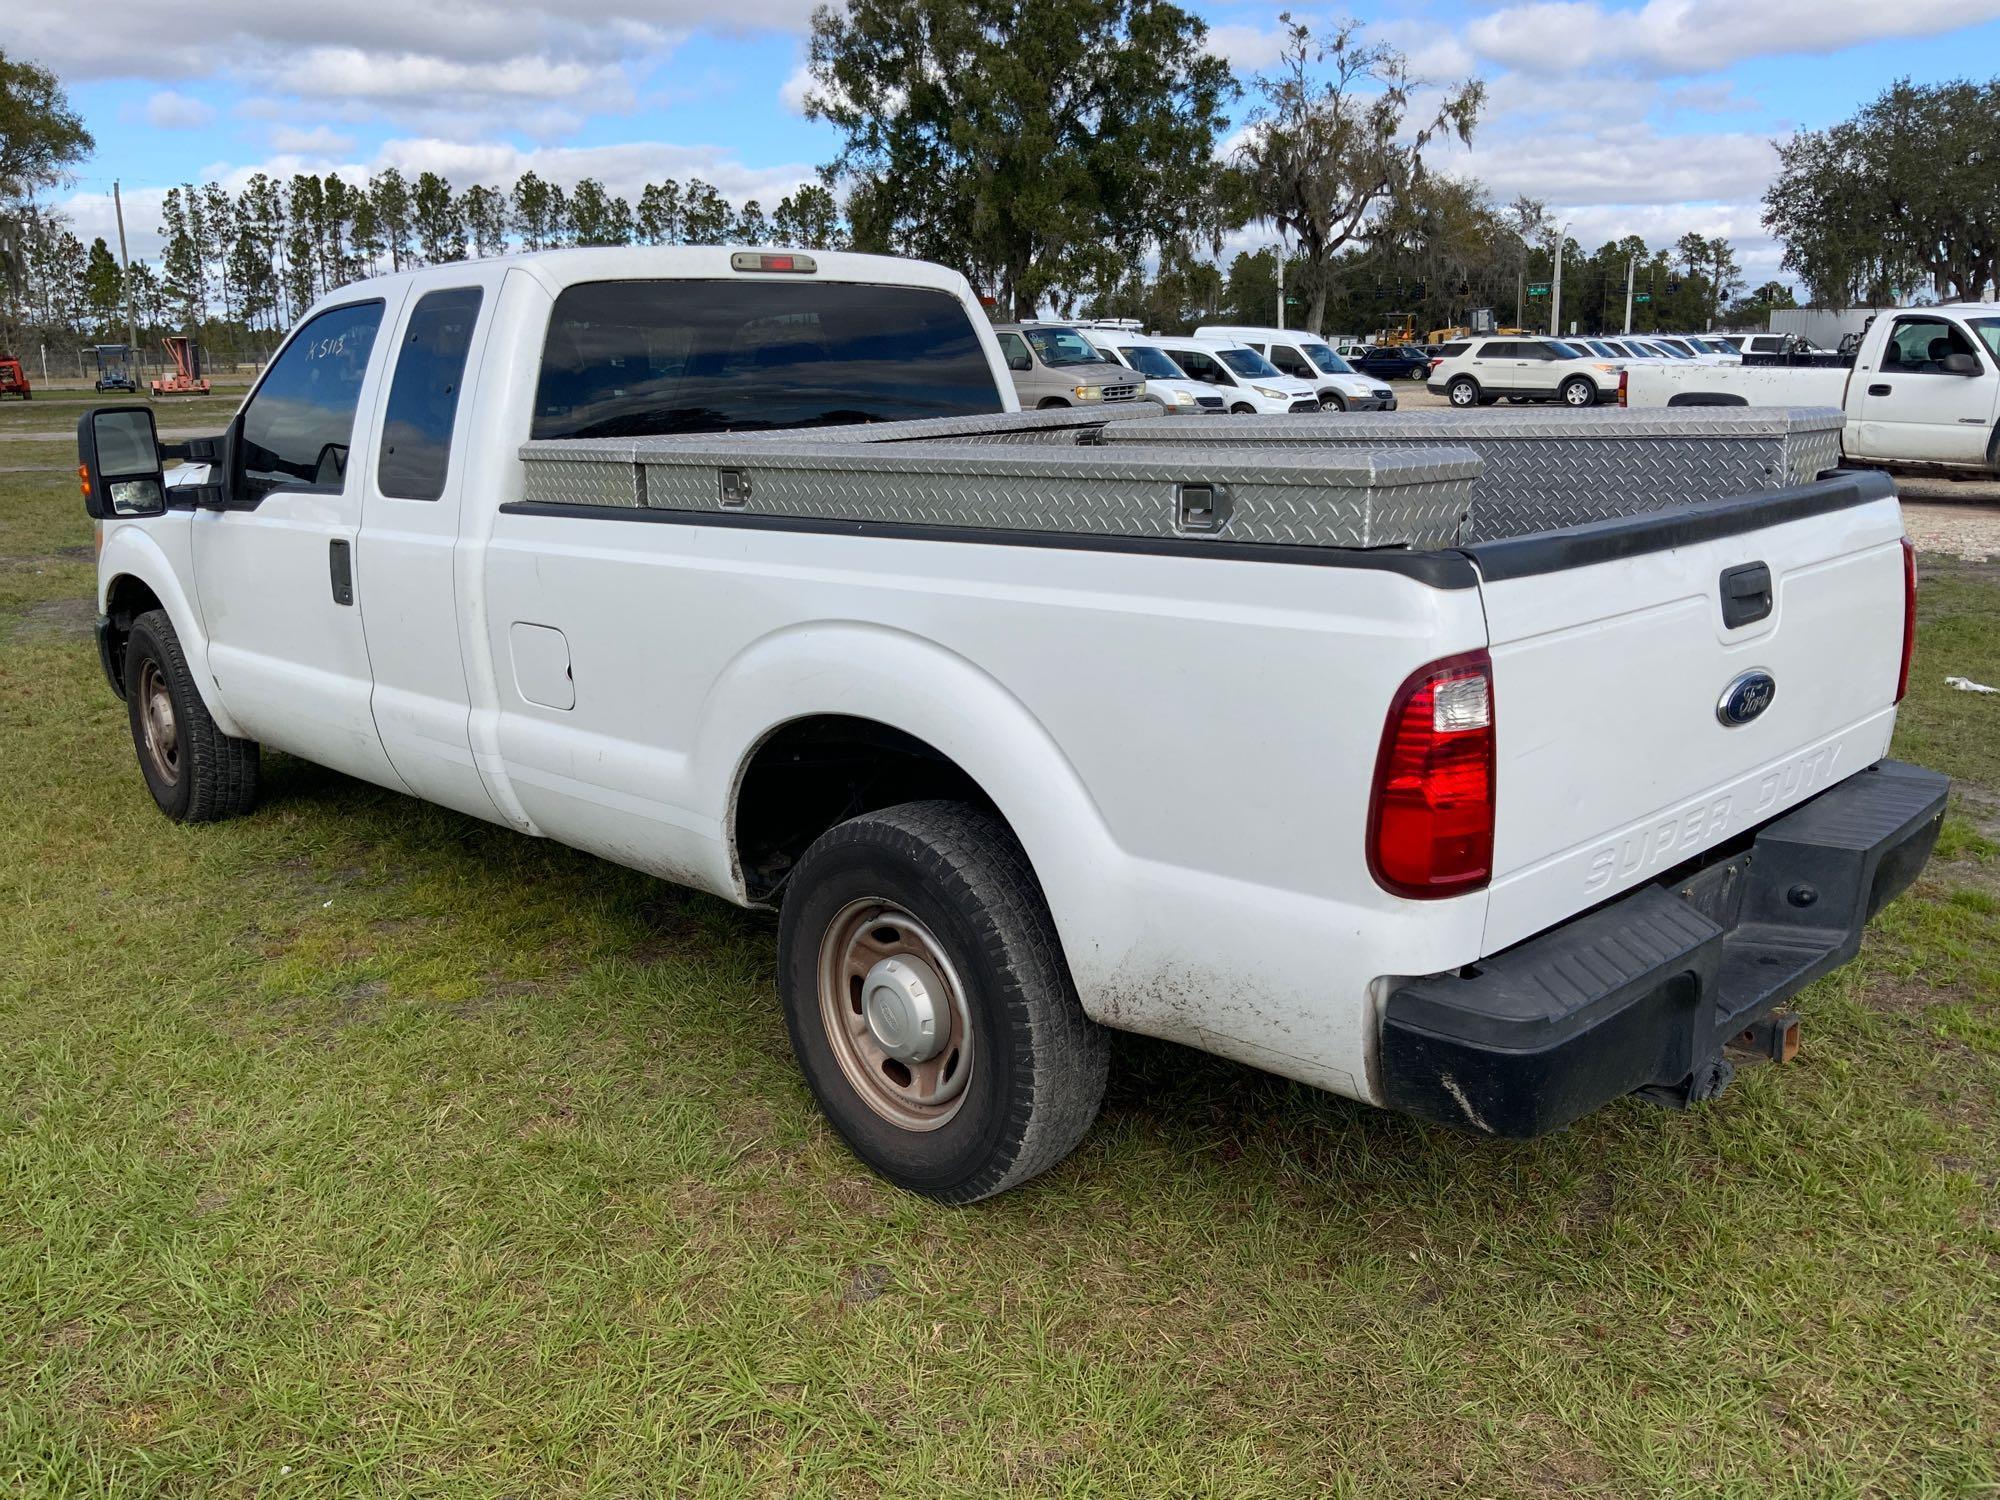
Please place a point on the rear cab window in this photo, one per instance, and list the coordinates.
(643, 358)
(423, 394)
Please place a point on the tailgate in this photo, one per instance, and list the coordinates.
(1611, 656)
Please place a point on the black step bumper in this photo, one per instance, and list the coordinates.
(1645, 992)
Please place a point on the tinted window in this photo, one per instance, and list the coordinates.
(1500, 349)
(1452, 351)
(423, 395)
(1325, 358)
(1291, 362)
(632, 358)
(1555, 349)
(1151, 363)
(1248, 362)
(297, 428)
(1200, 367)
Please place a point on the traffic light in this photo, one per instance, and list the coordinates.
(1420, 291)
(1673, 285)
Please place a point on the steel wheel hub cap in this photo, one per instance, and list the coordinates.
(156, 711)
(901, 999)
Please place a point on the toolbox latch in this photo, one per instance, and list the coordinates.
(1204, 508)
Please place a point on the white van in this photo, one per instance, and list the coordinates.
(1122, 340)
(1307, 356)
(1247, 382)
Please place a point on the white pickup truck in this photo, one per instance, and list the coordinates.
(1484, 766)
(1924, 388)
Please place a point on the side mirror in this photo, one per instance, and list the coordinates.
(118, 463)
(1019, 362)
(1961, 363)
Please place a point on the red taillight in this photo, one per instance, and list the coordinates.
(1624, 387)
(1909, 617)
(1430, 817)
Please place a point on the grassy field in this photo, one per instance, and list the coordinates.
(359, 1148)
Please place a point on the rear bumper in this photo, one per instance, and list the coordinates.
(1644, 993)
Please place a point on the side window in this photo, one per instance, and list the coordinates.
(297, 428)
(423, 395)
(1452, 351)
(1498, 350)
(1291, 362)
(1918, 346)
(1199, 365)
(1014, 349)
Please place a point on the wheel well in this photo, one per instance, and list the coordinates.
(813, 773)
(126, 600)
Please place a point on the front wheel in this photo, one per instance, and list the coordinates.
(929, 1003)
(1335, 402)
(196, 773)
(1464, 391)
(1051, 403)
(1240, 409)
(1576, 391)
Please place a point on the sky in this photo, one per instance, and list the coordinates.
(1652, 117)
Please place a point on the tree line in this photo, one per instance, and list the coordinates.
(239, 268)
(1077, 154)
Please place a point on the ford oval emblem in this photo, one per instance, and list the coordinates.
(1746, 698)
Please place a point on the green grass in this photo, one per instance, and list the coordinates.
(358, 1148)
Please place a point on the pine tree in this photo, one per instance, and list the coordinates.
(751, 227)
(181, 259)
(660, 214)
(389, 195)
(438, 219)
(808, 219)
(485, 212)
(103, 287)
(534, 212)
(597, 218)
(706, 217)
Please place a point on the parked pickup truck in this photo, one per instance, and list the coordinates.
(1404, 762)
(1923, 388)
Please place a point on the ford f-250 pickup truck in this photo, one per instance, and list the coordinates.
(1923, 388)
(1489, 768)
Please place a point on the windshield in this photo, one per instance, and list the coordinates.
(1669, 351)
(1057, 347)
(1247, 362)
(1564, 351)
(1988, 330)
(1329, 363)
(1601, 349)
(1151, 363)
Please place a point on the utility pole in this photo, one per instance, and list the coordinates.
(1281, 283)
(125, 276)
(1631, 269)
(1556, 291)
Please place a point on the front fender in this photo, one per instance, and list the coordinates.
(159, 554)
(919, 687)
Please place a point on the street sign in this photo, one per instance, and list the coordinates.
(1538, 289)
(1643, 297)
(1291, 301)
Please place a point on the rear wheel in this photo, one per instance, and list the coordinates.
(1578, 391)
(1463, 391)
(196, 773)
(929, 1003)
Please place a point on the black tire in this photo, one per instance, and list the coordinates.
(1463, 391)
(1241, 410)
(1037, 1064)
(1335, 402)
(1050, 403)
(1577, 391)
(208, 775)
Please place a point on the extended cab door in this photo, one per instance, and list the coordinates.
(1929, 395)
(412, 497)
(275, 566)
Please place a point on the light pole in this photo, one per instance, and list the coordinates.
(1631, 268)
(1556, 291)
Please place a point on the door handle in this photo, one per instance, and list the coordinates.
(340, 564)
(1878, 390)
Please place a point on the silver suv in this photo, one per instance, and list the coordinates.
(1057, 366)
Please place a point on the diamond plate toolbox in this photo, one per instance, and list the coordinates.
(1543, 471)
(1357, 498)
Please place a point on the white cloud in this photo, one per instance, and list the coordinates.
(792, 92)
(1246, 48)
(319, 141)
(168, 110)
(1683, 37)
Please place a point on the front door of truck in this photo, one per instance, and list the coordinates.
(274, 562)
(411, 499)
(1931, 395)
